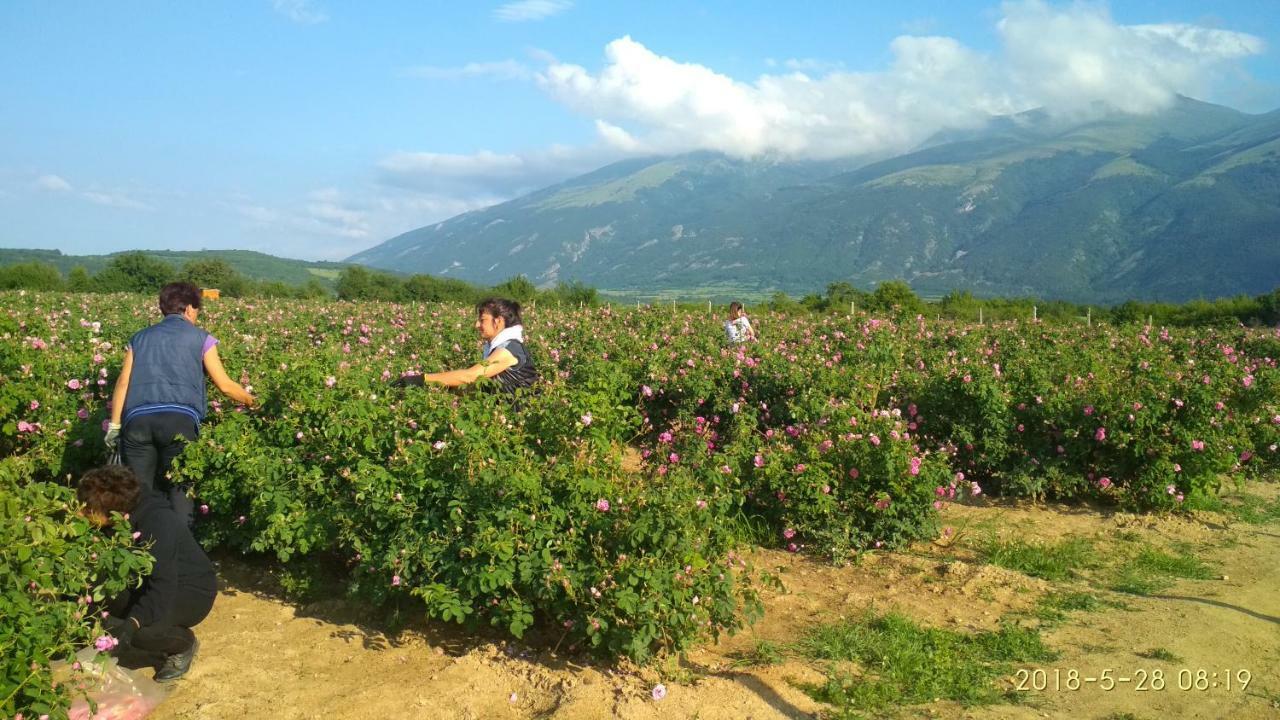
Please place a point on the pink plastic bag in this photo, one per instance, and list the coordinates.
(119, 693)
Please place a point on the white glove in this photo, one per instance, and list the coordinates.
(113, 434)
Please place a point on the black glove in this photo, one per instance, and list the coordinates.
(121, 628)
(407, 380)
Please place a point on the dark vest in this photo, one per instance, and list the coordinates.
(168, 367)
(521, 375)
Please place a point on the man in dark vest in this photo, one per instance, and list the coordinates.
(159, 398)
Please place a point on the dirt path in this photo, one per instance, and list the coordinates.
(261, 657)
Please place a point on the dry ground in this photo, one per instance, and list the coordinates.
(263, 657)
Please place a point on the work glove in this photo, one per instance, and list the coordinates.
(407, 380)
(113, 435)
(121, 628)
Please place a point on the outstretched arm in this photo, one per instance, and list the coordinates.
(497, 361)
(229, 387)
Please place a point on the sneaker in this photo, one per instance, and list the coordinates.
(177, 664)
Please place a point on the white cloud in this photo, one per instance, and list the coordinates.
(487, 174)
(525, 10)
(302, 12)
(1062, 58)
(811, 65)
(501, 70)
(115, 199)
(52, 182)
(1067, 59)
(329, 224)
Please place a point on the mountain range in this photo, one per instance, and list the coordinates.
(1171, 206)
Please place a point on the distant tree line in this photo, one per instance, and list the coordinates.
(896, 297)
(141, 273)
(138, 272)
(360, 283)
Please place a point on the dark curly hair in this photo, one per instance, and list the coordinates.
(176, 297)
(111, 488)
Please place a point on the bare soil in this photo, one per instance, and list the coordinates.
(263, 657)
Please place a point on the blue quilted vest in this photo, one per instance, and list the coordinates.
(168, 370)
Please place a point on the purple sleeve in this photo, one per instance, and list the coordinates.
(209, 342)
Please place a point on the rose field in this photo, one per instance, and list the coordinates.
(639, 505)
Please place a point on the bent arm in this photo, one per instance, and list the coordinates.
(498, 361)
(122, 388)
(228, 387)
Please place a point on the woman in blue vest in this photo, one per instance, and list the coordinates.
(159, 398)
(505, 358)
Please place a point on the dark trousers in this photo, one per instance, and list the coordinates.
(148, 445)
(151, 644)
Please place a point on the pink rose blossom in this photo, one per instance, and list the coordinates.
(602, 505)
(74, 384)
(659, 691)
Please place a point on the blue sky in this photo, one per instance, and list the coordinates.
(318, 128)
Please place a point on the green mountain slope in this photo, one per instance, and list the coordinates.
(254, 265)
(1172, 206)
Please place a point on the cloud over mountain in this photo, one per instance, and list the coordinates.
(1065, 59)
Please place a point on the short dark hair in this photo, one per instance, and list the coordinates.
(176, 297)
(508, 310)
(110, 488)
(735, 306)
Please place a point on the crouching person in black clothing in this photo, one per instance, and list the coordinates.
(153, 622)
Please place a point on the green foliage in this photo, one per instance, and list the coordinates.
(836, 436)
(574, 293)
(428, 288)
(1058, 561)
(1160, 654)
(518, 288)
(79, 280)
(1152, 570)
(359, 283)
(56, 570)
(895, 297)
(215, 273)
(30, 276)
(134, 272)
(905, 664)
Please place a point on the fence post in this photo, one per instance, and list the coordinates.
(979, 314)
(1033, 313)
(1088, 316)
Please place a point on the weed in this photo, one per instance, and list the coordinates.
(1160, 654)
(1152, 570)
(903, 663)
(764, 653)
(1051, 562)
(1053, 608)
(1253, 510)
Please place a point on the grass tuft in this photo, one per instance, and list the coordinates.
(1160, 654)
(1053, 608)
(764, 653)
(1152, 570)
(1051, 562)
(903, 663)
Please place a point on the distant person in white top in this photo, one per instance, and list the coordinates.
(738, 327)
